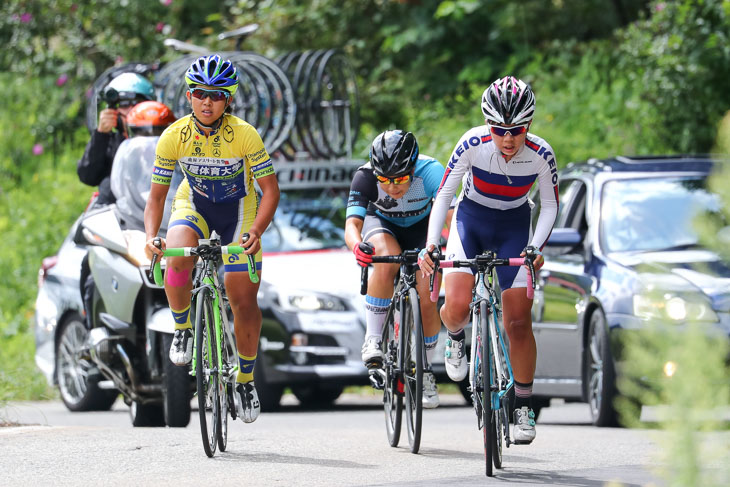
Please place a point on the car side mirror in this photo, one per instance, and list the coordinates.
(566, 238)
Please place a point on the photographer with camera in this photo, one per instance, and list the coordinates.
(120, 95)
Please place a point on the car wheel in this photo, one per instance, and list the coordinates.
(146, 414)
(269, 394)
(317, 395)
(599, 374)
(77, 376)
(176, 387)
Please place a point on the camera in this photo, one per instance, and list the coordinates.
(111, 97)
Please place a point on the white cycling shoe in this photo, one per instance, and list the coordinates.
(248, 406)
(430, 391)
(524, 430)
(371, 351)
(454, 359)
(181, 350)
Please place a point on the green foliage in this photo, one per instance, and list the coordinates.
(693, 399)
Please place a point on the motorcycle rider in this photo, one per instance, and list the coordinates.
(95, 166)
(220, 156)
(145, 118)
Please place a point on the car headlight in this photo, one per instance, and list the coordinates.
(306, 301)
(673, 307)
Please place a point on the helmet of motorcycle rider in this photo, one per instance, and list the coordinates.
(393, 153)
(213, 71)
(508, 101)
(149, 118)
(129, 88)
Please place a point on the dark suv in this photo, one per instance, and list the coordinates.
(625, 225)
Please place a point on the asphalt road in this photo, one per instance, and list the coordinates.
(342, 446)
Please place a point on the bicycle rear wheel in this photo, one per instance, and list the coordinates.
(206, 352)
(392, 392)
(412, 360)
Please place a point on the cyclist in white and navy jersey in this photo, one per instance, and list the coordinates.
(498, 162)
(387, 212)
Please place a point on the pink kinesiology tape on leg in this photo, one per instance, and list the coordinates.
(177, 278)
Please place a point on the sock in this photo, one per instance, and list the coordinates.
(459, 335)
(523, 395)
(430, 343)
(245, 368)
(182, 318)
(375, 310)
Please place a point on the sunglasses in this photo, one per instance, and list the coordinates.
(398, 180)
(513, 131)
(214, 95)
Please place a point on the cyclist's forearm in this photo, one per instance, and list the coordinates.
(353, 231)
(267, 208)
(153, 210)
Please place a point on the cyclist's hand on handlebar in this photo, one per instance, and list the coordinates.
(251, 241)
(539, 260)
(425, 262)
(363, 253)
(155, 246)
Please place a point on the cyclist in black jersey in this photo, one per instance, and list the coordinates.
(387, 212)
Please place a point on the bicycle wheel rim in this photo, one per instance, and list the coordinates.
(413, 368)
(206, 380)
(392, 399)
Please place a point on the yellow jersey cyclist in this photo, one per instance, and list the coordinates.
(220, 156)
(497, 164)
(387, 211)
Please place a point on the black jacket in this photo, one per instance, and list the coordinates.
(95, 167)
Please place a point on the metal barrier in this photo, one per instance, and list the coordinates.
(305, 104)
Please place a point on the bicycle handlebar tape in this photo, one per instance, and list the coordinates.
(174, 252)
(157, 273)
(364, 280)
(252, 269)
(519, 261)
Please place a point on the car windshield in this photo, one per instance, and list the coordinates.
(130, 181)
(307, 220)
(655, 213)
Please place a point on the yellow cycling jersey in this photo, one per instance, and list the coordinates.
(220, 167)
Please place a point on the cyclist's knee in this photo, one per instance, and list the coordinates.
(519, 329)
(177, 277)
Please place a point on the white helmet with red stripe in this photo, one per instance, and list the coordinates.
(508, 101)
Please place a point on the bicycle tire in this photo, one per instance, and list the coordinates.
(500, 415)
(488, 377)
(412, 366)
(206, 378)
(225, 389)
(392, 398)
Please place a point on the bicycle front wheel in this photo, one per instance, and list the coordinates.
(500, 415)
(206, 373)
(392, 392)
(412, 363)
(487, 374)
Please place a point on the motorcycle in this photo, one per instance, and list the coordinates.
(131, 323)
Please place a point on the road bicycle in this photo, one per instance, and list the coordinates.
(490, 370)
(400, 375)
(215, 357)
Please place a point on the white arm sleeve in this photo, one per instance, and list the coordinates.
(455, 170)
(547, 180)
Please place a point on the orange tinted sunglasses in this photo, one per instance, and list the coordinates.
(398, 180)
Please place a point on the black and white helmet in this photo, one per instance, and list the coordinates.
(508, 101)
(393, 153)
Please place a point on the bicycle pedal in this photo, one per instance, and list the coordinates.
(377, 378)
(375, 363)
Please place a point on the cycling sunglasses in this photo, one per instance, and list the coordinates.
(214, 95)
(398, 180)
(513, 131)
